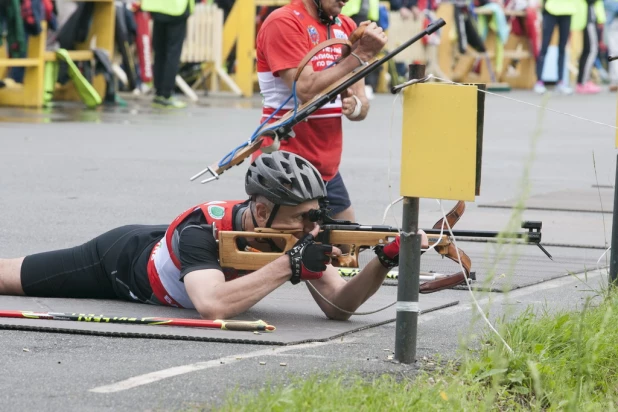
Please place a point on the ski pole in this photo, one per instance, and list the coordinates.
(235, 325)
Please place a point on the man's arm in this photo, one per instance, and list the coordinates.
(214, 298)
(348, 295)
(311, 83)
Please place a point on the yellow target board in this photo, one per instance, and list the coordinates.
(439, 149)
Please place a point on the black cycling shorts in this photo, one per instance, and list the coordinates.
(110, 266)
(337, 195)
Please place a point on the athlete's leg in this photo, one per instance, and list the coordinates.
(159, 43)
(346, 214)
(176, 33)
(612, 45)
(68, 273)
(549, 22)
(124, 256)
(585, 57)
(339, 203)
(339, 199)
(89, 271)
(564, 28)
(10, 277)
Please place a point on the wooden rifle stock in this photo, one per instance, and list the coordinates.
(231, 257)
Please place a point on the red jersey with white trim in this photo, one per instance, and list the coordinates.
(285, 38)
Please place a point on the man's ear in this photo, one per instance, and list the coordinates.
(262, 213)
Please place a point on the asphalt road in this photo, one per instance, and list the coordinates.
(69, 175)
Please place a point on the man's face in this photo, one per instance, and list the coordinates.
(295, 218)
(333, 7)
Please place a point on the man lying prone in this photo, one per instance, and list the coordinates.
(178, 264)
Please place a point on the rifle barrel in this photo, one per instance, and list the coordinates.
(475, 233)
(533, 237)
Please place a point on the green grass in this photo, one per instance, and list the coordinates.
(561, 361)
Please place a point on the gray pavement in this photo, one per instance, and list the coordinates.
(69, 175)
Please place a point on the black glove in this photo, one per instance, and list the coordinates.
(388, 254)
(308, 259)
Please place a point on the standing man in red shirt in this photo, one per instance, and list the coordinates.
(284, 39)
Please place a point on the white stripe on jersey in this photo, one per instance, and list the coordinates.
(275, 92)
(169, 275)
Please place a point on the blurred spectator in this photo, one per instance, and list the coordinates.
(226, 6)
(360, 11)
(611, 40)
(555, 13)
(407, 9)
(589, 15)
(168, 35)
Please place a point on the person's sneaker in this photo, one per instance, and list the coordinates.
(539, 87)
(169, 103)
(562, 88)
(587, 88)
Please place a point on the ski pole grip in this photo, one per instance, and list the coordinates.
(435, 26)
(245, 326)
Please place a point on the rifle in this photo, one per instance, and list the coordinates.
(282, 129)
(361, 237)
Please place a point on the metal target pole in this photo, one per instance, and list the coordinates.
(409, 269)
(613, 262)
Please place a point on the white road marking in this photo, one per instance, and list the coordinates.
(180, 370)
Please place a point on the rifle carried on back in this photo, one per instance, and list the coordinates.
(282, 129)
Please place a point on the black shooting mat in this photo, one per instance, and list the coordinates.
(516, 267)
(596, 200)
(291, 309)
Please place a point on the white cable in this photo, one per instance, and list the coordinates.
(388, 208)
(345, 311)
(532, 104)
(601, 257)
(445, 221)
(594, 163)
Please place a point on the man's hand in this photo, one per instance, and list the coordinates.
(389, 253)
(349, 105)
(308, 259)
(371, 42)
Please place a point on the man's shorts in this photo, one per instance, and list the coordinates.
(337, 195)
(110, 266)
